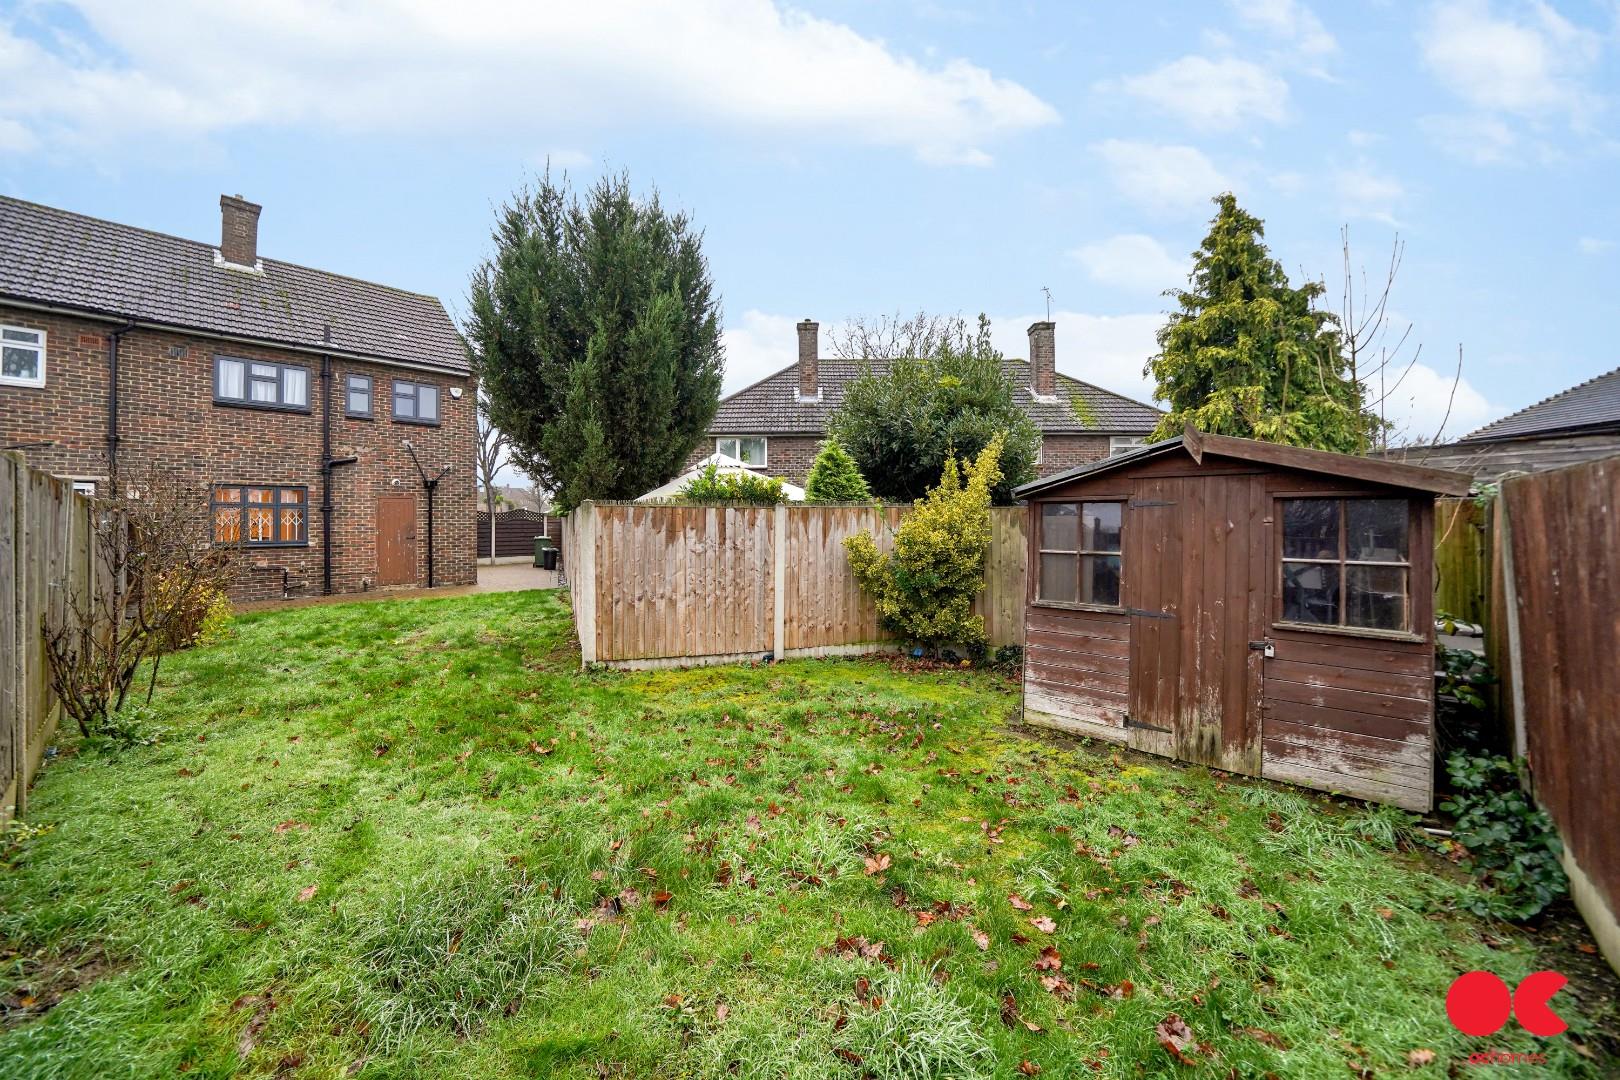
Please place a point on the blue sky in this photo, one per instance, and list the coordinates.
(853, 158)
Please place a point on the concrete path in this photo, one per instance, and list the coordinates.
(505, 577)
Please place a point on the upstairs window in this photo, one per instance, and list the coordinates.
(1345, 563)
(416, 403)
(748, 450)
(260, 384)
(22, 356)
(1080, 553)
(357, 396)
(269, 516)
(1124, 444)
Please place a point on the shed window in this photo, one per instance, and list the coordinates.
(357, 396)
(1345, 562)
(749, 451)
(416, 403)
(1080, 553)
(22, 356)
(261, 516)
(260, 384)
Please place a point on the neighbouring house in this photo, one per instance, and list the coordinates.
(1264, 609)
(512, 497)
(312, 411)
(1579, 424)
(723, 464)
(776, 425)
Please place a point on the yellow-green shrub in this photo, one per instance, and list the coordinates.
(924, 590)
(200, 613)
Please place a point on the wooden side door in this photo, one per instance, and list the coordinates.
(1151, 579)
(396, 539)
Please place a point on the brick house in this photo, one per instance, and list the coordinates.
(285, 396)
(777, 424)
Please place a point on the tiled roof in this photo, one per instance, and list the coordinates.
(51, 256)
(1594, 403)
(771, 406)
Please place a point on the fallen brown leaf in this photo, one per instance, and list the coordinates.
(307, 893)
(1044, 924)
(1177, 1038)
(1019, 902)
(1416, 1059)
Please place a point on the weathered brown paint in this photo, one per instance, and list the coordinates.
(396, 539)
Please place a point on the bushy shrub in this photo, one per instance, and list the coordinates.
(924, 590)
(199, 612)
(711, 485)
(834, 477)
(1512, 845)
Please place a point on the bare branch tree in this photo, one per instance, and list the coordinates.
(889, 337)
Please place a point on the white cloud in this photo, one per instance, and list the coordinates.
(1219, 94)
(188, 69)
(757, 346)
(1367, 193)
(1162, 178)
(1531, 66)
(1132, 261)
(1106, 350)
(1418, 406)
(1478, 138)
(1592, 245)
(1294, 24)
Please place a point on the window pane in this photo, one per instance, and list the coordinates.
(227, 526)
(360, 402)
(18, 363)
(1311, 529)
(405, 400)
(1375, 597)
(292, 525)
(1311, 593)
(1060, 530)
(751, 451)
(294, 386)
(1375, 529)
(261, 525)
(1099, 524)
(292, 495)
(261, 495)
(264, 371)
(427, 402)
(17, 333)
(1099, 579)
(263, 390)
(229, 379)
(1058, 580)
(227, 494)
(727, 447)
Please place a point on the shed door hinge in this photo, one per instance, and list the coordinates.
(1137, 725)
(1144, 613)
(1146, 503)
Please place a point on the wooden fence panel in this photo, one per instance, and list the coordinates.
(1461, 559)
(667, 584)
(1559, 629)
(47, 559)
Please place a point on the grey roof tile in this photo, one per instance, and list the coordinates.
(1594, 403)
(52, 256)
(771, 406)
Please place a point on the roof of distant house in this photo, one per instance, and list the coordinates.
(61, 259)
(1595, 403)
(772, 405)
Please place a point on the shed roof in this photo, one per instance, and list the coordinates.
(1197, 444)
(55, 257)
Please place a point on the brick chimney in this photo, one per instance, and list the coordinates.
(239, 230)
(1043, 359)
(809, 360)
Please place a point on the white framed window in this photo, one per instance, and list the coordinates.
(260, 384)
(416, 403)
(748, 449)
(1124, 444)
(22, 356)
(84, 487)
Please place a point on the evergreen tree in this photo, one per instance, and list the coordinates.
(1249, 355)
(595, 330)
(834, 477)
(902, 421)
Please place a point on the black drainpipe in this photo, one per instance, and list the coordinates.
(328, 462)
(112, 403)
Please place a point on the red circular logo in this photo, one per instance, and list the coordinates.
(1479, 1003)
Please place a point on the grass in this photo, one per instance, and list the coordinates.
(412, 838)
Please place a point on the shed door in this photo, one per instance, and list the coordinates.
(396, 539)
(1195, 584)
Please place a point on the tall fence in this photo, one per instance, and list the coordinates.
(515, 531)
(47, 556)
(1462, 559)
(1555, 631)
(665, 585)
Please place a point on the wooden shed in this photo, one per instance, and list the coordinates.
(1253, 607)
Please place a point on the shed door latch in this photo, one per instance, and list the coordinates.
(1139, 726)
(1264, 646)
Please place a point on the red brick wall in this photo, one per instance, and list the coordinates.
(168, 421)
(1059, 452)
(787, 456)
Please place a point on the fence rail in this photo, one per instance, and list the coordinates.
(666, 585)
(1554, 631)
(47, 556)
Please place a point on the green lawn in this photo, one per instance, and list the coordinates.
(412, 838)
